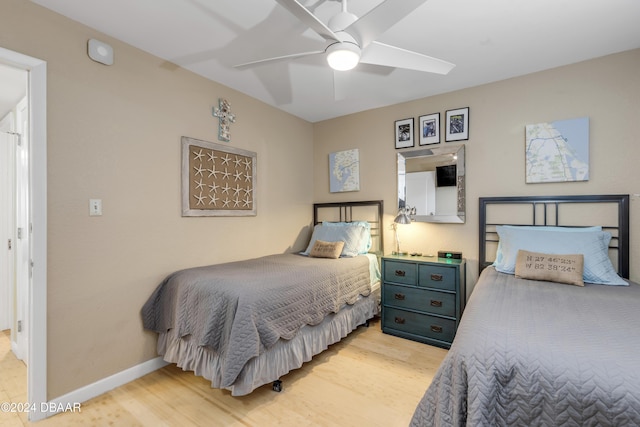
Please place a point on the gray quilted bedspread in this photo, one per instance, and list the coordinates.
(531, 353)
(239, 309)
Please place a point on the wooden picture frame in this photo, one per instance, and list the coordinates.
(217, 180)
(429, 129)
(457, 124)
(404, 133)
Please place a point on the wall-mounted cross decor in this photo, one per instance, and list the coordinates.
(226, 117)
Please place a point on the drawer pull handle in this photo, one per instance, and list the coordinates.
(436, 303)
(399, 297)
(400, 273)
(437, 329)
(436, 277)
(399, 320)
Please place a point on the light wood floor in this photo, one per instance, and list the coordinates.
(368, 379)
(13, 380)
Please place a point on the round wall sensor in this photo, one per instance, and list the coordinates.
(100, 52)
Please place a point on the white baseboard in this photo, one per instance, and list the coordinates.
(73, 400)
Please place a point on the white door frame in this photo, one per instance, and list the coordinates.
(37, 324)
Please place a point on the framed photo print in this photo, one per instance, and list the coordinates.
(429, 129)
(457, 124)
(404, 133)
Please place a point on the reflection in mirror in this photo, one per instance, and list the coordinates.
(431, 184)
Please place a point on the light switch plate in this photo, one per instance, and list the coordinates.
(95, 207)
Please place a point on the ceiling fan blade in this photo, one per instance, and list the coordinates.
(276, 59)
(379, 19)
(383, 54)
(308, 18)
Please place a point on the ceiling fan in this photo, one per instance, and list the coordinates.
(351, 40)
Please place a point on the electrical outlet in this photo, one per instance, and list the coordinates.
(95, 207)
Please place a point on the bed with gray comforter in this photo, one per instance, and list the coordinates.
(531, 353)
(218, 319)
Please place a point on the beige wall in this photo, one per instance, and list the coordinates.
(607, 90)
(114, 134)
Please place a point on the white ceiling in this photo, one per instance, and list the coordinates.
(488, 40)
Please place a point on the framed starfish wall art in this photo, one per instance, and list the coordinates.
(217, 180)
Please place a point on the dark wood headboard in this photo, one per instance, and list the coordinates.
(371, 211)
(552, 210)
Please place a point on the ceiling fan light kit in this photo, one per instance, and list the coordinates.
(343, 56)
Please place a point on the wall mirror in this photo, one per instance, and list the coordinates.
(431, 184)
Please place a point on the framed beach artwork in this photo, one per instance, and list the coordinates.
(217, 180)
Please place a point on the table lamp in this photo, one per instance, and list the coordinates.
(401, 218)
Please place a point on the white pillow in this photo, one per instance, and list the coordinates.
(354, 238)
(499, 255)
(366, 243)
(594, 245)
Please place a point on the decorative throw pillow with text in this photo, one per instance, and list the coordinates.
(550, 267)
(322, 249)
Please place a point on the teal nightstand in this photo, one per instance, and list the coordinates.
(423, 298)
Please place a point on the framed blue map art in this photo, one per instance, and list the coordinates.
(557, 151)
(344, 171)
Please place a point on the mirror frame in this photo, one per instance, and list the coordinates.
(437, 153)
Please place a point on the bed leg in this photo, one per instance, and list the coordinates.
(277, 386)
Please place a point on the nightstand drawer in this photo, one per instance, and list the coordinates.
(420, 299)
(400, 272)
(435, 276)
(419, 324)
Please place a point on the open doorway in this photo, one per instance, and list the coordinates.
(14, 216)
(23, 224)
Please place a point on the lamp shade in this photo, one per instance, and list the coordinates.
(402, 218)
